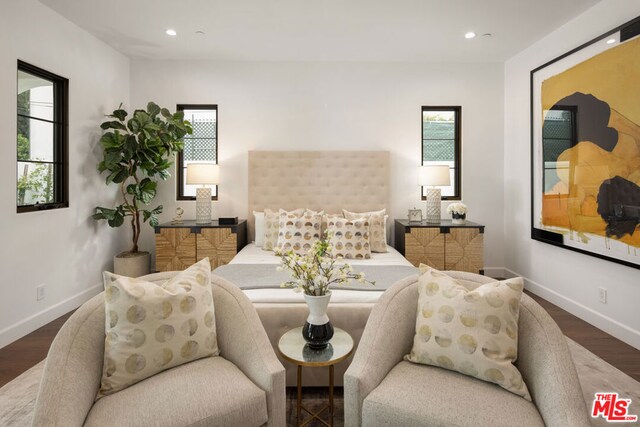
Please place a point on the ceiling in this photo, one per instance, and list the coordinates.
(326, 30)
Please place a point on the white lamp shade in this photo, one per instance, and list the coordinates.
(203, 173)
(435, 175)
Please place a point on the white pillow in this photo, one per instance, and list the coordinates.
(259, 228)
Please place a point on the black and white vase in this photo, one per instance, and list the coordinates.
(317, 330)
(457, 218)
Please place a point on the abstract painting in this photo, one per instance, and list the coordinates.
(585, 115)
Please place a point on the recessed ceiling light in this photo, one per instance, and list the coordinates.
(470, 35)
(611, 41)
(171, 32)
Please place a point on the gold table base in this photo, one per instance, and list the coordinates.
(316, 415)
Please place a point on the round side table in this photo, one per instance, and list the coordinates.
(294, 349)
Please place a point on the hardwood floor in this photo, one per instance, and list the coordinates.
(26, 352)
(600, 343)
(31, 349)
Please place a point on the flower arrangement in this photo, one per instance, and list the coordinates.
(457, 208)
(313, 272)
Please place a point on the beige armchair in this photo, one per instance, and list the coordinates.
(380, 389)
(244, 386)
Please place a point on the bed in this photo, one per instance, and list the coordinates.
(319, 180)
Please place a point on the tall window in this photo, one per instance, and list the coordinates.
(199, 147)
(41, 173)
(441, 145)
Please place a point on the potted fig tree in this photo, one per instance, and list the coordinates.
(136, 153)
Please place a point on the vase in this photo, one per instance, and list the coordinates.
(457, 218)
(317, 330)
(131, 264)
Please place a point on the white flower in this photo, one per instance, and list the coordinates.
(458, 208)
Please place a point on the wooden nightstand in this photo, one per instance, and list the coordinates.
(180, 245)
(444, 245)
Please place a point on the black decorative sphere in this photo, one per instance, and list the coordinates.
(317, 336)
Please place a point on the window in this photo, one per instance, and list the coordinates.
(199, 147)
(41, 172)
(441, 145)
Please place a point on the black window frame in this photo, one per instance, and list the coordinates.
(180, 162)
(60, 138)
(457, 110)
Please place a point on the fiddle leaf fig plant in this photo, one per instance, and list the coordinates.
(137, 152)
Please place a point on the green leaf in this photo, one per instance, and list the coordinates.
(111, 140)
(113, 125)
(132, 189)
(153, 108)
(104, 213)
(119, 114)
(165, 113)
(133, 125)
(117, 221)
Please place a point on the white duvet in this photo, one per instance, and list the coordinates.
(251, 254)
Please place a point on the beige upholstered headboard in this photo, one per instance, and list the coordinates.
(329, 180)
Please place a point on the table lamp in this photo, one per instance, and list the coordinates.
(203, 174)
(431, 177)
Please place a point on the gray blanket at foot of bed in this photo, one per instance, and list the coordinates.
(265, 276)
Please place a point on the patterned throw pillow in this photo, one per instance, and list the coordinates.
(298, 233)
(376, 227)
(348, 239)
(150, 328)
(272, 226)
(472, 332)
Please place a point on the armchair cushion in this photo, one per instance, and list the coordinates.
(413, 395)
(210, 390)
(474, 332)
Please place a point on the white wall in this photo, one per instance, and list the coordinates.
(338, 106)
(566, 278)
(63, 248)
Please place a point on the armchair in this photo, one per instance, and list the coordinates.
(382, 389)
(244, 386)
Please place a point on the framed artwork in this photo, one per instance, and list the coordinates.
(585, 148)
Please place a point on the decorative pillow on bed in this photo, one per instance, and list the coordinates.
(259, 228)
(298, 233)
(150, 328)
(272, 226)
(377, 232)
(472, 332)
(348, 239)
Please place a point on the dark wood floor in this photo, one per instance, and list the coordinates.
(31, 349)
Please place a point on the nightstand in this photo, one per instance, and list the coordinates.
(444, 245)
(180, 245)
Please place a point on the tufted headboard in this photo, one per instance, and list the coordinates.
(329, 180)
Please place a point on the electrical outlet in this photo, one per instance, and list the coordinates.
(40, 292)
(602, 295)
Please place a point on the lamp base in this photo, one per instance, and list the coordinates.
(433, 213)
(203, 205)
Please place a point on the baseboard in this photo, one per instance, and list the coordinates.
(495, 272)
(31, 323)
(600, 321)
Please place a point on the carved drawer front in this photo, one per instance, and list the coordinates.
(464, 249)
(175, 249)
(219, 244)
(425, 245)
